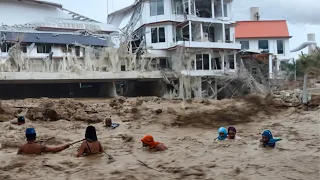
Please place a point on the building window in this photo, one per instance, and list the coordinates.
(231, 61)
(264, 45)
(225, 9)
(280, 46)
(158, 35)
(202, 62)
(163, 63)
(77, 51)
(244, 44)
(5, 47)
(43, 48)
(24, 48)
(156, 7)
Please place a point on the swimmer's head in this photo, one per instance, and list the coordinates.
(31, 134)
(222, 133)
(21, 120)
(232, 132)
(266, 136)
(108, 122)
(91, 134)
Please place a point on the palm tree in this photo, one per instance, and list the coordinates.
(310, 65)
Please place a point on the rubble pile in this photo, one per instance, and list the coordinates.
(289, 98)
(66, 109)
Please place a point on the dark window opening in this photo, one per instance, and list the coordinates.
(244, 44)
(206, 65)
(163, 63)
(24, 48)
(215, 63)
(156, 7)
(123, 68)
(77, 51)
(280, 46)
(158, 35)
(43, 48)
(162, 35)
(231, 61)
(264, 45)
(6, 46)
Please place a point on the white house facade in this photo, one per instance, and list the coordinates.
(195, 37)
(265, 36)
(46, 30)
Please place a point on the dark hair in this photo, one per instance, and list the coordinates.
(21, 119)
(31, 137)
(91, 134)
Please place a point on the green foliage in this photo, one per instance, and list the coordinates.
(305, 64)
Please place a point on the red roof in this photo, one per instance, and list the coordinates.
(262, 29)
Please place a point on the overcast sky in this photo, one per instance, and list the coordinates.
(303, 16)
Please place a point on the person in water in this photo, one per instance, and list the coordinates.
(267, 139)
(223, 134)
(90, 145)
(232, 133)
(109, 124)
(148, 141)
(32, 147)
(19, 121)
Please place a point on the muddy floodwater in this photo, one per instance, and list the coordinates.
(187, 128)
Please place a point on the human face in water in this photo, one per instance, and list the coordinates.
(231, 134)
(265, 139)
(144, 145)
(221, 134)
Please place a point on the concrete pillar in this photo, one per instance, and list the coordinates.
(216, 88)
(190, 31)
(270, 67)
(212, 8)
(199, 83)
(254, 11)
(311, 37)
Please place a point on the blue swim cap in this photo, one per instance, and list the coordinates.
(30, 131)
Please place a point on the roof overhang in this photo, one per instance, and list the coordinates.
(266, 37)
(43, 3)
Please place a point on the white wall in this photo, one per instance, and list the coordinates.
(57, 52)
(253, 45)
(15, 12)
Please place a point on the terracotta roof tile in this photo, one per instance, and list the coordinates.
(262, 29)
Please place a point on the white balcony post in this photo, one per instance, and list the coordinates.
(190, 31)
(222, 9)
(223, 32)
(235, 60)
(212, 8)
(189, 5)
(270, 67)
(201, 31)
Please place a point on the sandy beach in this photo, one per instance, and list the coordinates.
(187, 128)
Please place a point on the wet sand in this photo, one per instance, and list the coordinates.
(192, 153)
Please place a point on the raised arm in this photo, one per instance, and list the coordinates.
(55, 149)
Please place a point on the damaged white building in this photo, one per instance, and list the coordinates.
(43, 43)
(195, 39)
